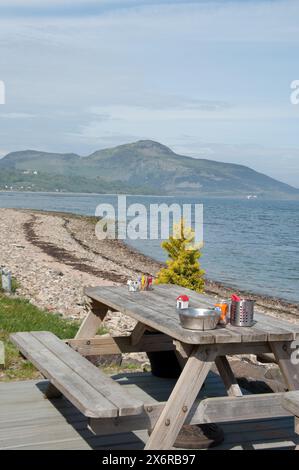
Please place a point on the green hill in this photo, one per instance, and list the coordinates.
(142, 167)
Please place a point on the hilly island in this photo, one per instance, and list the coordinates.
(143, 167)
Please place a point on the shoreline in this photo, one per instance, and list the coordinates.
(68, 240)
(203, 196)
(218, 289)
(53, 256)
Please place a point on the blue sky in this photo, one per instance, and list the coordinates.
(209, 79)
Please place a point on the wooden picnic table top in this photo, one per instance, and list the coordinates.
(157, 309)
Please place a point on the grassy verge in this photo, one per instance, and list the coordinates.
(19, 315)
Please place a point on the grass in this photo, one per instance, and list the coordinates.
(20, 315)
(102, 330)
(17, 314)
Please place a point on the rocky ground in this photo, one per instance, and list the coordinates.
(53, 256)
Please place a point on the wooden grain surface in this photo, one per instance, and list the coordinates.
(81, 382)
(28, 421)
(182, 397)
(291, 402)
(157, 309)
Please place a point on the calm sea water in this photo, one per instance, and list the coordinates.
(249, 244)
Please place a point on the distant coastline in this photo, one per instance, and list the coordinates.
(204, 196)
(143, 167)
(247, 254)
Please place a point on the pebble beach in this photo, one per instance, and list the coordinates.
(54, 256)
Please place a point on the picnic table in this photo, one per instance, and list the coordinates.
(110, 410)
(197, 351)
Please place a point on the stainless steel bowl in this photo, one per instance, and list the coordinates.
(199, 318)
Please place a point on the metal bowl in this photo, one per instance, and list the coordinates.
(199, 318)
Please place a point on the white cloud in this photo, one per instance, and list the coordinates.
(160, 102)
(16, 116)
(44, 3)
(100, 138)
(279, 162)
(3, 153)
(204, 21)
(206, 112)
(216, 71)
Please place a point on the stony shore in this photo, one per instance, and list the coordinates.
(53, 256)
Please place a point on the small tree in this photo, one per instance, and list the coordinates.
(183, 267)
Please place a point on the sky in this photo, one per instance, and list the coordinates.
(210, 79)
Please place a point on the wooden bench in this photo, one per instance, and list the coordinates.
(291, 403)
(83, 384)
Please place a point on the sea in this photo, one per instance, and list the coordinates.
(249, 244)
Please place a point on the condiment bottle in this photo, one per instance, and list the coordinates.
(224, 306)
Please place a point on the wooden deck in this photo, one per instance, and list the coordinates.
(29, 421)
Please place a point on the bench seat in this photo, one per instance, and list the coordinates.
(91, 391)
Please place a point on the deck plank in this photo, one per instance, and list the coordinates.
(34, 423)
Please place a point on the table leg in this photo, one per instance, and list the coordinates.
(290, 370)
(93, 321)
(181, 399)
(137, 333)
(182, 352)
(227, 375)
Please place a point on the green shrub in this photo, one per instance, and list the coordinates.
(183, 267)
